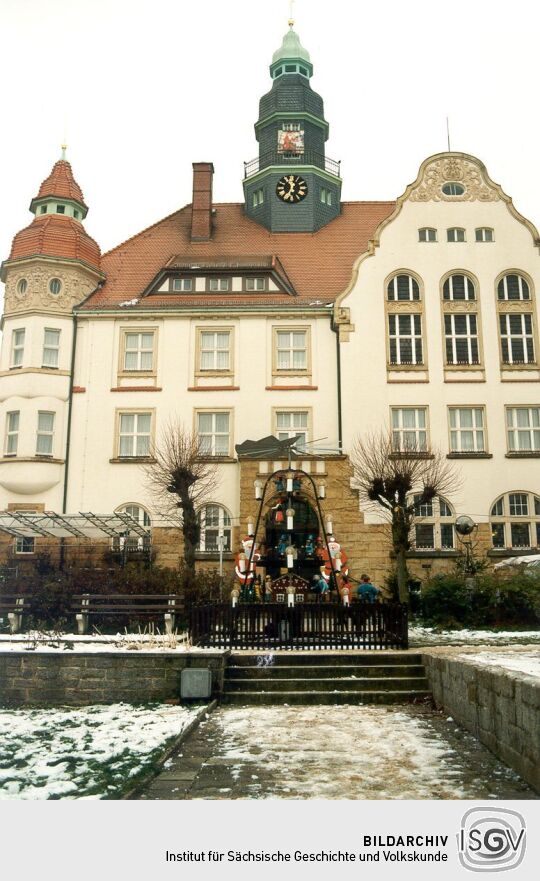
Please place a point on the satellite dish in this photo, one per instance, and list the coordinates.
(465, 525)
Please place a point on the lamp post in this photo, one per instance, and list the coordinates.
(466, 528)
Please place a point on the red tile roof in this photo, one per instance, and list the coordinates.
(319, 264)
(55, 235)
(61, 183)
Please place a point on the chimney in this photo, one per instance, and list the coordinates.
(201, 208)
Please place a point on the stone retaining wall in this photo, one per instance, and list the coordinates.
(500, 707)
(42, 679)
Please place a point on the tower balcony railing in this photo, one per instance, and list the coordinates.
(309, 157)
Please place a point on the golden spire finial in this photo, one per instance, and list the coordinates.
(291, 19)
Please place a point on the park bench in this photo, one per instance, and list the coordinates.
(89, 605)
(13, 607)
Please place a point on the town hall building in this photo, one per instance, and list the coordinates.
(292, 314)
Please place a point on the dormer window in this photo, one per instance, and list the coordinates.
(182, 284)
(255, 284)
(219, 284)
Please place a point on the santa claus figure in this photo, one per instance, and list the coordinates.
(331, 558)
(246, 561)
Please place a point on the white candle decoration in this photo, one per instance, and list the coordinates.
(289, 484)
(338, 563)
(258, 489)
(251, 529)
(329, 524)
(242, 563)
(289, 523)
(322, 491)
(290, 561)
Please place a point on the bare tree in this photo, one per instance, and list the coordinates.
(398, 481)
(181, 479)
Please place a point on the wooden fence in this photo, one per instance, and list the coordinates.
(309, 626)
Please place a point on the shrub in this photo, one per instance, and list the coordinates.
(494, 600)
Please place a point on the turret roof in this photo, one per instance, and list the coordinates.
(61, 183)
(290, 48)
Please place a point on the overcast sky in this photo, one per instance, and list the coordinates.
(146, 87)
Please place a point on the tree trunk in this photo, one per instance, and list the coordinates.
(402, 574)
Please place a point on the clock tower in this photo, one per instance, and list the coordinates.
(292, 186)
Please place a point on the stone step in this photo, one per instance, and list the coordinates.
(250, 698)
(395, 683)
(314, 671)
(322, 658)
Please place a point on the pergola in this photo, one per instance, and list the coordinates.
(49, 524)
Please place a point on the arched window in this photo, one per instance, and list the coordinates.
(459, 287)
(133, 541)
(513, 287)
(455, 234)
(427, 234)
(434, 525)
(403, 287)
(214, 520)
(515, 521)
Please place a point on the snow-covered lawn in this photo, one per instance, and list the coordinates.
(519, 662)
(49, 642)
(420, 636)
(96, 752)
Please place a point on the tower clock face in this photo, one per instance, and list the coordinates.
(291, 188)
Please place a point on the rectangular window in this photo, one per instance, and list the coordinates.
(517, 342)
(139, 351)
(213, 430)
(409, 429)
(521, 535)
(461, 339)
(255, 284)
(60, 209)
(483, 234)
(12, 433)
(25, 544)
(518, 504)
(134, 434)
(17, 347)
(258, 197)
(51, 347)
(215, 350)
(455, 234)
(326, 196)
(427, 234)
(405, 337)
(523, 427)
(424, 535)
(467, 430)
(182, 284)
(219, 284)
(447, 536)
(290, 126)
(292, 423)
(45, 433)
(292, 350)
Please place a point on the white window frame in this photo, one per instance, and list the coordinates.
(134, 542)
(434, 515)
(408, 338)
(12, 432)
(45, 435)
(140, 349)
(291, 348)
(470, 337)
(214, 445)
(502, 520)
(223, 525)
(218, 285)
(524, 289)
(427, 234)
(455, 234)
(515, 432)
(182, 285)
(484, 234)
(460, 442)
(140, 447)
(255, 283)
(18, 336)
(285, 432)
(214, 349)
(51, 349)
(258, 197)
(417, 433)
(469, 288)
(508, 336)
(392, 288)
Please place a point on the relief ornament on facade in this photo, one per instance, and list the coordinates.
(453, 170)
(75, 287)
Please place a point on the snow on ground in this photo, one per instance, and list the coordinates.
(47, 642)
(519, 662)
(420, 636)
(366, 752)
(95, 752)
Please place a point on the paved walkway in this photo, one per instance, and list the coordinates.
(356, 752)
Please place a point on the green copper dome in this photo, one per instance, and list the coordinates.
(291, 48)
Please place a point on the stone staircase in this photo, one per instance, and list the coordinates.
(365, 677)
